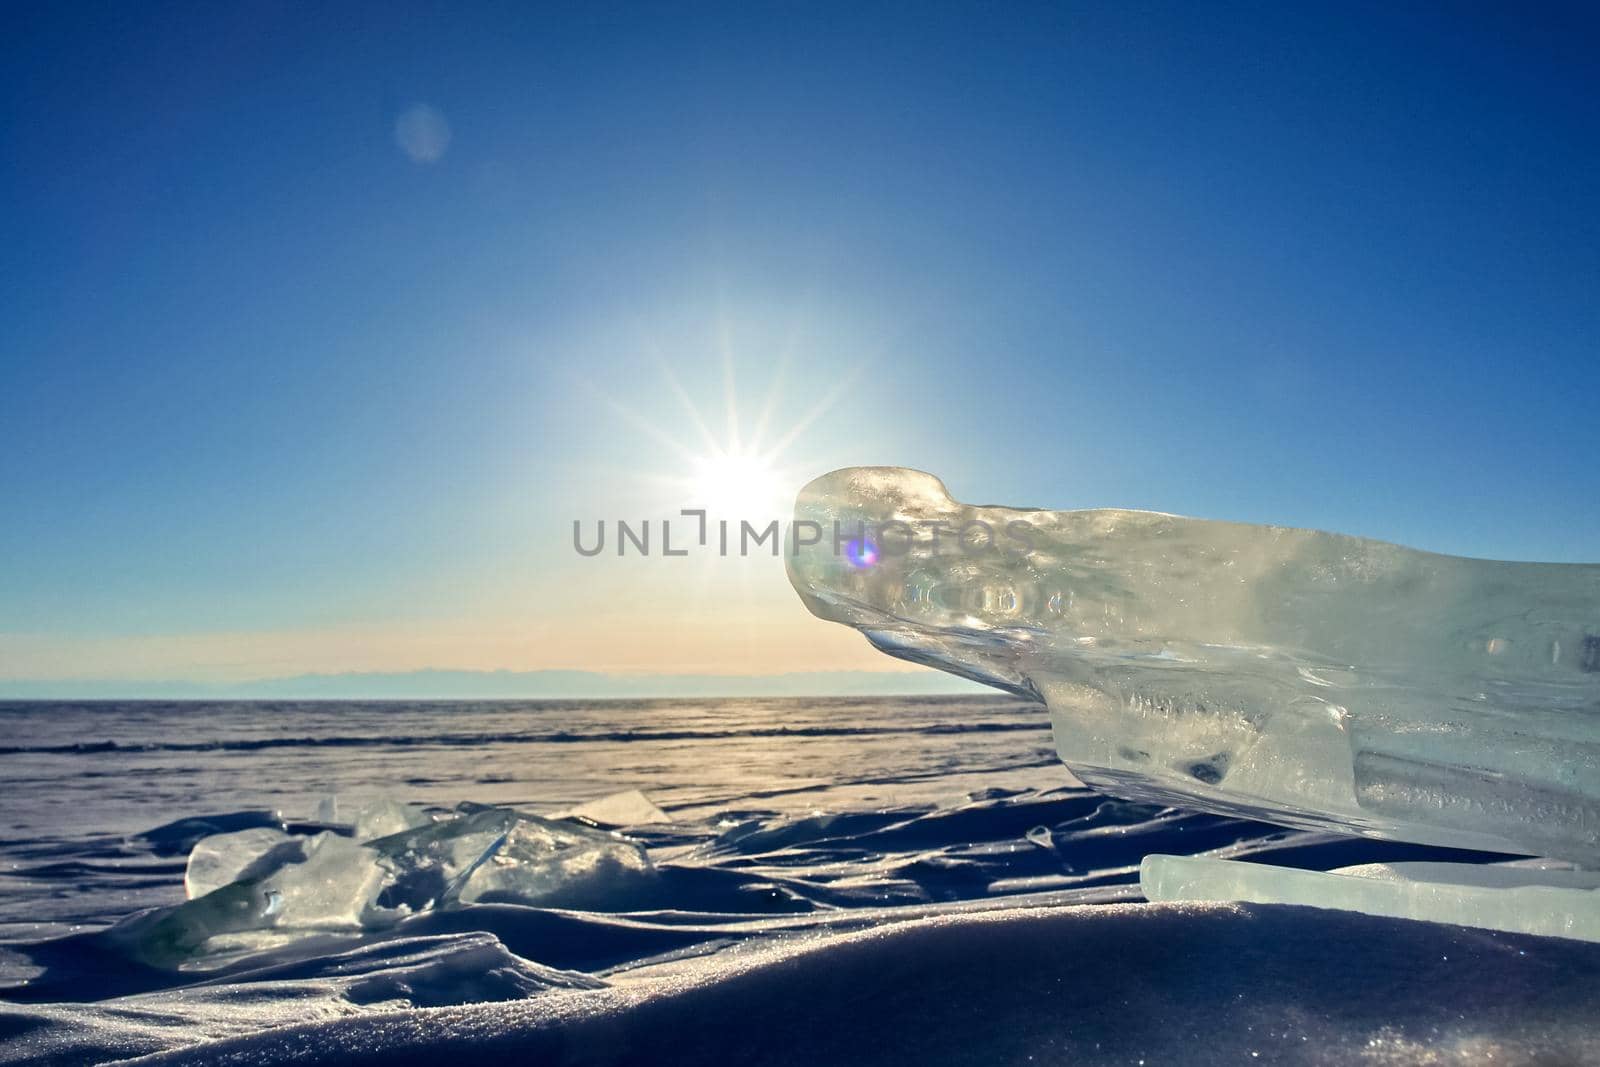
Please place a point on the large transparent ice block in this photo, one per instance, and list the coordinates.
(1305, 678)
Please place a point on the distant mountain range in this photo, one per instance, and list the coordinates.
(490, 685)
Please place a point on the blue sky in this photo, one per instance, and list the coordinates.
(280, 397)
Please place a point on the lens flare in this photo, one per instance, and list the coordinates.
(861, 553)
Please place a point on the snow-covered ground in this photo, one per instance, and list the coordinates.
(843, 880)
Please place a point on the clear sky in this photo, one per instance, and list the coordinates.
(322, 323)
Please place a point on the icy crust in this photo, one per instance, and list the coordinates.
(1300, 677)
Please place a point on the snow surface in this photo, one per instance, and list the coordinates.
(1097, 984)
(890, 881)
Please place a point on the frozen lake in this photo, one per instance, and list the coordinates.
(891, 879)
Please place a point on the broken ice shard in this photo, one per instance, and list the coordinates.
(220, 859)
(1306, 678)
(262, 888)
(628, 808)
(488, 854)
(298, 887)
(1515, 898)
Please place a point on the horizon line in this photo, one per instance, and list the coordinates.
(434, 683)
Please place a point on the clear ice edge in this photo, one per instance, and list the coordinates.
(1553, 903)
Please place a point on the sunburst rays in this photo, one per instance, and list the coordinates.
(747, 472)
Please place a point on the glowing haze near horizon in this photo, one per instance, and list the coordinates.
(322, 326)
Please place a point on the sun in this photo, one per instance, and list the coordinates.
(731, 485)
(743, 470)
